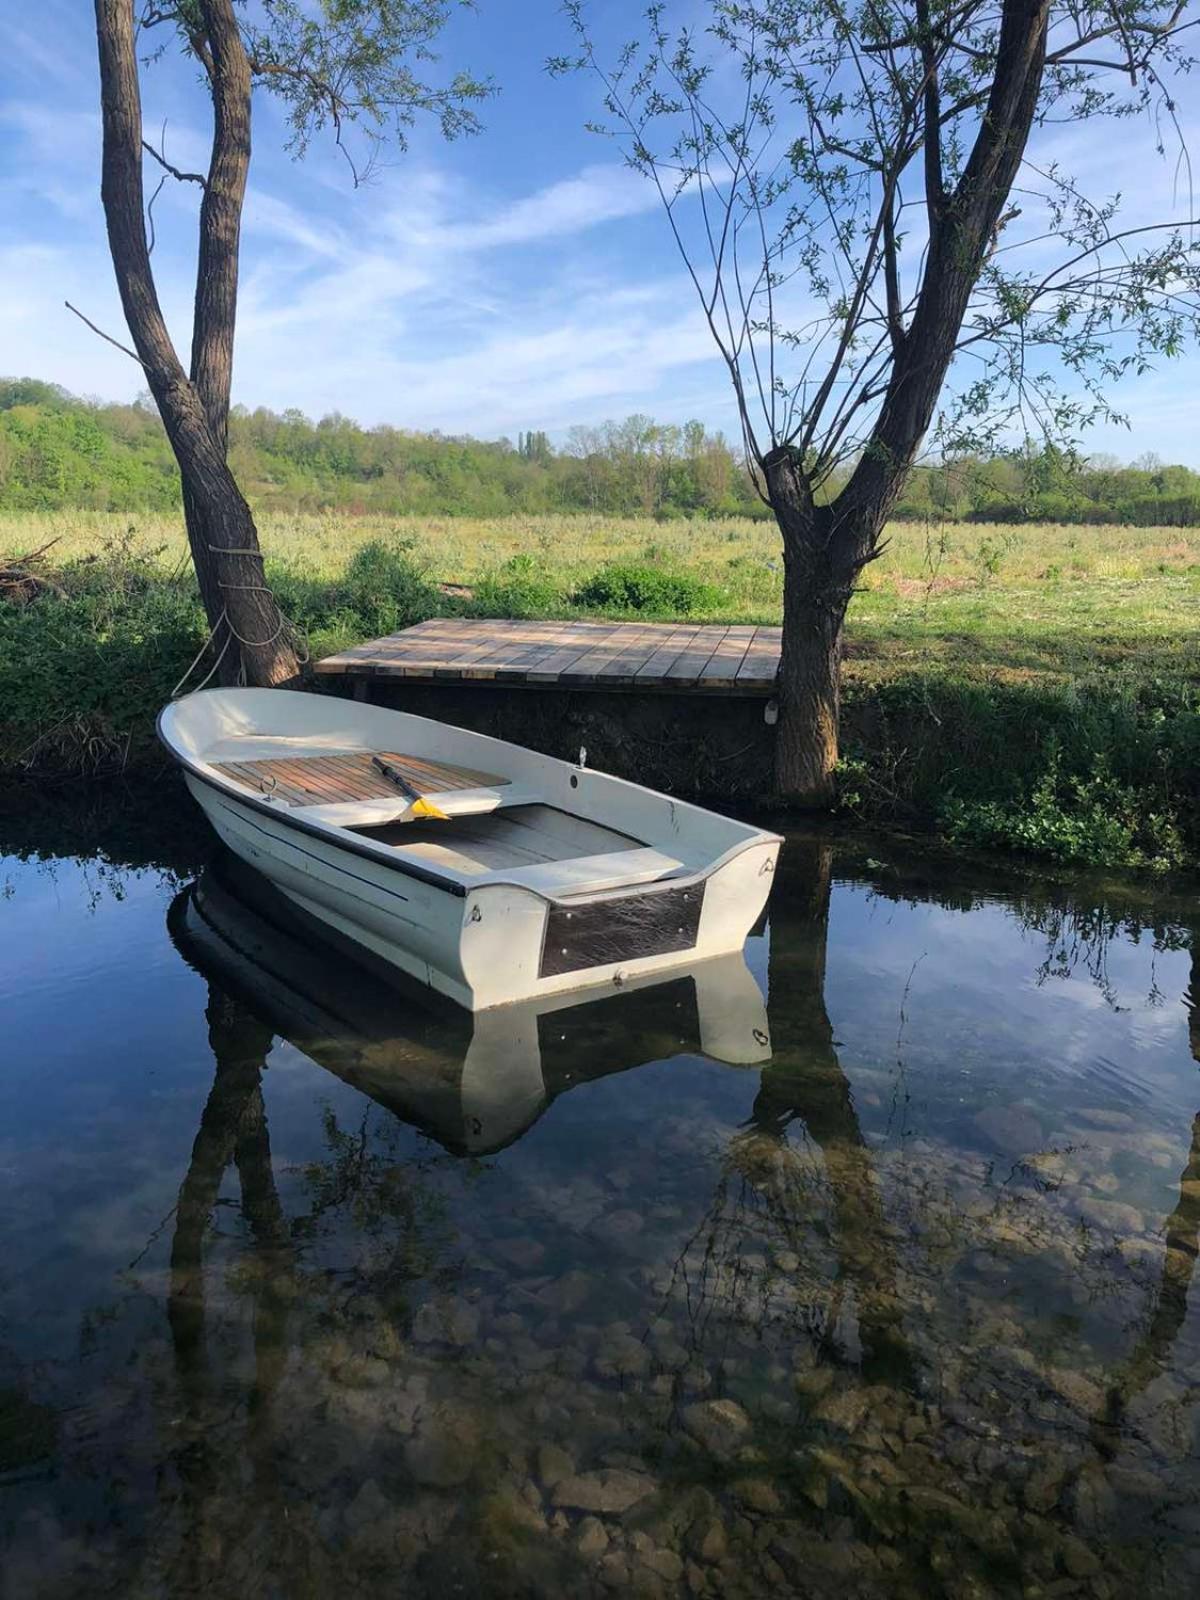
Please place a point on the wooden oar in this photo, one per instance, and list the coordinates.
(420, 807)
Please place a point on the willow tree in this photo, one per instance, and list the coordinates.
(343, 67)
(869, 198)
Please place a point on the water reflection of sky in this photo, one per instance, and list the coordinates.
(909, 1132)
(973, 992)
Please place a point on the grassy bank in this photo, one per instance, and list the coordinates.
(1024, 687)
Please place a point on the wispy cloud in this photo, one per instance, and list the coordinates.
(594, 196)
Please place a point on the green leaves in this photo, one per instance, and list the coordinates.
(367, 66)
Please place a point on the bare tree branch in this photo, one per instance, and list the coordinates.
(107, 337)
(183, 177)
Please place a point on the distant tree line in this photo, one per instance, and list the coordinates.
(60, 452)
(1049, 485)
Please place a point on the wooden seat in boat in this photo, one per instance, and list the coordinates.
(588, 875)
(336, 777)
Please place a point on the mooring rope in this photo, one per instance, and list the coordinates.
(296, 635)
(175, 694)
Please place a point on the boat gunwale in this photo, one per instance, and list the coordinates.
(456, 885)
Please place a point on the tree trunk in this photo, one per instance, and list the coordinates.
(822, 557)
(215, 315)
(250, 639)
(806, 744)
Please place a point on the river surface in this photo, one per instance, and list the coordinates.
(863, 1267)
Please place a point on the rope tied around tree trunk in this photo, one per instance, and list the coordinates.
(296, 635)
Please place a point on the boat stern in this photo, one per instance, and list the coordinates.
(519, 944)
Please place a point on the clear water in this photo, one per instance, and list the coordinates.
(307, 1290)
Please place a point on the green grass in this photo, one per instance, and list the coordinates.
(1029, 687)
(1023, 598)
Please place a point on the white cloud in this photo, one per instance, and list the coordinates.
(594, 196)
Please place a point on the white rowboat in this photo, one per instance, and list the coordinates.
(539, 878)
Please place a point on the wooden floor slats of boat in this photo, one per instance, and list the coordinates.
(658, 656)
(351, 775)
(520, 837)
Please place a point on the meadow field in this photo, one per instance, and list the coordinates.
(1027, 687)
(1022, 599)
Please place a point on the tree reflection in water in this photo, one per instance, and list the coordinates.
(805, 1083)
(1151, 1356)
(233, 1131)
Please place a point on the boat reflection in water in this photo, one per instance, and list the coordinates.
(473, 1083)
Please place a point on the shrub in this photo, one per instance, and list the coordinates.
(386, 587)
(1093, 819)
(1102, 771)
(517, 589)
(383, 588)
(649, 589)
(84, 673)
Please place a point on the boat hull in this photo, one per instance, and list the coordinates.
(496, 943)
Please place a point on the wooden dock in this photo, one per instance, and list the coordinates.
(658, 657)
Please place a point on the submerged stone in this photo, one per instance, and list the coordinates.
(844, 1409)
(623, 1357)
(1013, 1129)
(369, 1506)
(1077, 1558)
(507, 1515)
(553, 1465)
(525, 1253)
(446, 1319)
(445, 1448)
(359, 1371)
(566, 1294)
(591, 1538)
(664, 1563)
(709, 1540)
(721, 1426)
(610, 1491)
(617, 1225)
(757, 1494)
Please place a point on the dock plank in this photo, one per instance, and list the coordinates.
(633, 649)
(760, 665)
(673, 642)
(524, 646)
(579, 639)
(567, 663)
(658, 657)
(615, 646)
(688, 667)
(722, 666)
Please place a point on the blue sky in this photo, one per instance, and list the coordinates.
(522, 279)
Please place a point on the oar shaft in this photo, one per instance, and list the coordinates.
(395, 777)
(420, 806)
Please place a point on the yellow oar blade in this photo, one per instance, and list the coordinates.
(425, 808)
